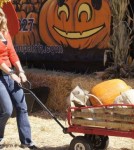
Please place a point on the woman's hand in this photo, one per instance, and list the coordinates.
(22, 77)
(15, 78)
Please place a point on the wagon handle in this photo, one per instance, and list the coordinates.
(24, 88)
(44, 107)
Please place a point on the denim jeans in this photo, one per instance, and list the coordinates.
(12, 95)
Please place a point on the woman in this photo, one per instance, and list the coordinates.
(10, 92)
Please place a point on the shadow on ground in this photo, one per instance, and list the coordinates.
(65, 147)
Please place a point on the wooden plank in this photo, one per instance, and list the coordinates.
(117, 110)
(100, 116)
(103, 124)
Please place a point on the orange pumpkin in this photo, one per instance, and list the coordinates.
(27, 7)
(76, 23)
(23, 1)
(107, 91)
(36, 1)
(20, 13)
(37, 6)
(27, 38)
(34, 16)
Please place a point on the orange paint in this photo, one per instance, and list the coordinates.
(76, 24)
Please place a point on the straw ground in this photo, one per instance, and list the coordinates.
(46, 133)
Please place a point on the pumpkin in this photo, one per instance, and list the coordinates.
(36, 1)
(26, 36)
(107, 91)
(27, 7)
(37, 6)
(34, 16)
(23, 1)
(17, 6)
(18, 39)
(77, 24)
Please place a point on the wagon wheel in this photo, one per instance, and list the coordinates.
(99, 142)
(80, 143)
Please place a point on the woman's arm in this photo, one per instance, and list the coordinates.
(14, 59)
(5, 68)
(9, 71)
(20, 71)
(18, 67)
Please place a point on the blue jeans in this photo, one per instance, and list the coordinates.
(12, 95)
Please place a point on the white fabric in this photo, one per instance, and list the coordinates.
(126, 97)
(79, 96)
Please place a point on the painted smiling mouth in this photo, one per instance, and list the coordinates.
(78, 35)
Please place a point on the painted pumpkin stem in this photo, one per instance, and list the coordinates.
(60, 2)
(96, 4)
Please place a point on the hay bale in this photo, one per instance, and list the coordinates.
(85, 81)
(129, 82)
(58, 82)
(61, 84)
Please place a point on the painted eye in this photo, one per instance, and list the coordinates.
(63, 9)
(85, 8)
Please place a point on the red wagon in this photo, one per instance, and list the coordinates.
(95, 124)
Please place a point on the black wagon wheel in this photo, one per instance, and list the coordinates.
(99, 142)
(80, 143)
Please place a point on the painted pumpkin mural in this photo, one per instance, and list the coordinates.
(68, 36)
(80, 24)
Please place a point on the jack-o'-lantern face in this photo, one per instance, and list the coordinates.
(77, 23)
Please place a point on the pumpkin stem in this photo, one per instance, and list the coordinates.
(96, 4)
(60, 2)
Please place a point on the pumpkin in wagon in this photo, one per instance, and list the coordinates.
(79, 24)
(107, 91)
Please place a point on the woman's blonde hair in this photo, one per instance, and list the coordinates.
(3, 24)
